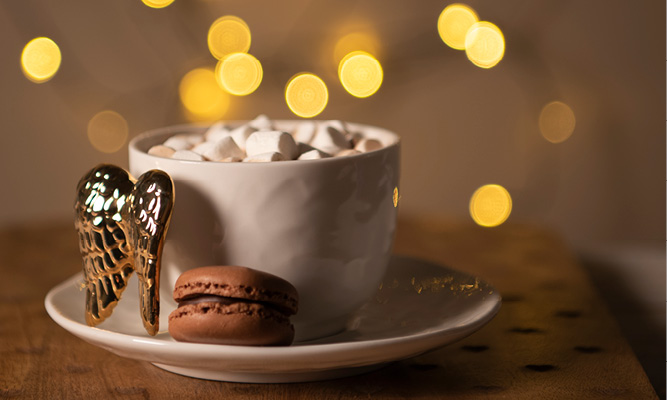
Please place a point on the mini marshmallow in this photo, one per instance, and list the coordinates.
(241, 134)
(305, 132)
(265, 157)
(366, 145)
(261, 122)
(313, 155)
(224, 148)
(330, 139)
(348, 152)
(178, 142)
(161, 151)
(187, 155)
(216, 132)
(202, 147)
(272, 141)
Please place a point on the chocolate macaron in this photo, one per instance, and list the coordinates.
(233, 305)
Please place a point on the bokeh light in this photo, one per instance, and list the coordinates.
(360, 73)
(107, 131)
(484, 44)
(157, 3)
(453, 24)
(490, 205)
(395, 197)
(239, 73)
(356, 41)
(557, 122)
(40, 59)
(306, 95)
(227, 35)
(202, 97)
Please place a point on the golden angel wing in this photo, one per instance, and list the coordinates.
(152, 202)
(102, 221)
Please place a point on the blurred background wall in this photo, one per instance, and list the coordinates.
(461, 126)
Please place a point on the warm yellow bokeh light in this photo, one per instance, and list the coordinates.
(40, 59)
(107, 131)
(557, 122)
(157, 3)
(490, 205)
(453, 24)
(360, 73)
(201, 95)
(239, 73)
(485, 44)
(306, 95)
(227, 35)
(395, 196)
(356, 41)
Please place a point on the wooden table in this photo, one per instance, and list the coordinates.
(553, 338)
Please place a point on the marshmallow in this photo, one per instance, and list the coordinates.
(265, 157)
(305, 132)
(223, 148)
(216, 132)
(241, 134)
(313, 155)
(202, 147)
(178, 142)
(272, 141)
(161, 151)
(348, 152)
(187, 155)
(261, 122)
(366, 145)
(330, 138)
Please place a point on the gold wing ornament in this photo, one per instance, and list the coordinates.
(122, 224)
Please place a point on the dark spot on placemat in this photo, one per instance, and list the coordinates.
(588, 349)
(475, 349)
(568, 313)
(512, 298)
(525, 330)
(540, 367)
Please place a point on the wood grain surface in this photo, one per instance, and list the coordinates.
(553, 338)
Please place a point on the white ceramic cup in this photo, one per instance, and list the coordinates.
(326, 225)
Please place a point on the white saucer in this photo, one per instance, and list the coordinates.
(419, 307)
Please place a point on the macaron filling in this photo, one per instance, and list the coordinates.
(211, 299)
(227, 301)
